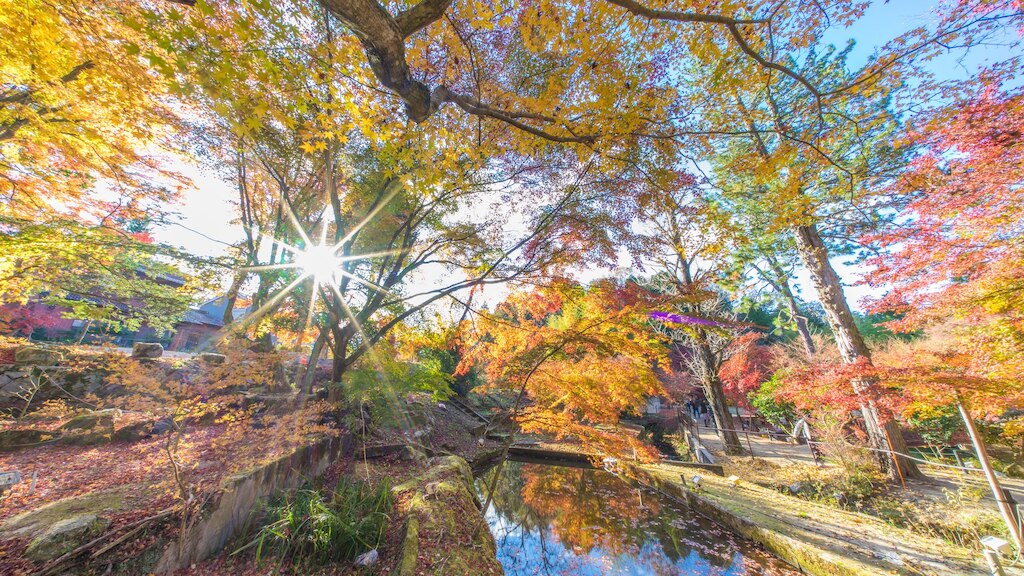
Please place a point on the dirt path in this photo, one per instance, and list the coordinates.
(761, 446)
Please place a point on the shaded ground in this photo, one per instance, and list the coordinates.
(389, 469)
(133, 481)
(430, 428)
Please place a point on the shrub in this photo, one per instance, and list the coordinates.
(311, 529)
(779, 412)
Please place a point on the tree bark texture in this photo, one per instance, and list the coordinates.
(782, 283)
(883, 437)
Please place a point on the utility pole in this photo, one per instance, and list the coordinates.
(1009, 516)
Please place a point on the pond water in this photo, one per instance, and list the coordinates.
(556, 520)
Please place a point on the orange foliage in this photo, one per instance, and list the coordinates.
(906, 377)
(580, 356)
(587, 509)
(748, 366)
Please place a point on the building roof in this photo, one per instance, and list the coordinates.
(197, 316)
(211, 313)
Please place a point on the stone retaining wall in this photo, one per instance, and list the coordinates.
(228, 512)
(438, 504)
(805, 557)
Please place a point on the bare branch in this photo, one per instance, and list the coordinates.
(731, 24)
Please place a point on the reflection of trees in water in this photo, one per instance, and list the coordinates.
(586, 509)
(583, 510)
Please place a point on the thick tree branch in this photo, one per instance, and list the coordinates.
(756, 56)
(383, 39)
(420, 16)
(477, 108)
(384, 43)
(25, 97)
(674, 16)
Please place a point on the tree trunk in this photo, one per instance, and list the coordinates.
(719, 405)
(338, 369)
(782, 283)
(339, 361)
(883, 437)
(314, 359)
(231, 297)
(85, 330)
(723, 418)
(706, 369)
(801, 322)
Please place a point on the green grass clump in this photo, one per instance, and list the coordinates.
(310, 528)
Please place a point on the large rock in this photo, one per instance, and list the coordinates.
(147, 350)
(163, 425)
(89, 429)
(37, 356)
(91, 420)
(66, 535)
(133, 432)
(87, 438)
(212, 358)
(24, 438)
(31, 524)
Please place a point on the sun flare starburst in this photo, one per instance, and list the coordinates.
(320, 261)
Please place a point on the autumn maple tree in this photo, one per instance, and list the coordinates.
(956, 252)
(86, 126)
(575, 358)
(373, 145)
(82, 107)
(687, 242)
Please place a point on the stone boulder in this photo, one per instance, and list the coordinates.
(87, 438)
(163, 425)
(66, 535)
(91, 420)
(442, 502)
(147, 350)
(15, 439)
(212, 358)
(133, 432)
(37, 356)
(90, 429)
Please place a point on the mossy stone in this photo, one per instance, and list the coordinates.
(65, 535)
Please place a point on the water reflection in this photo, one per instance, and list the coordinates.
(555, 520)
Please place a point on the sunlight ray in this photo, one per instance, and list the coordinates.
(371, 353)
(265, 267)
(309, 313)
(355, 230)
(284, 245)
(253, 316)
(315, 290)
(294, 220)
(391, 252)
(366, 283)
